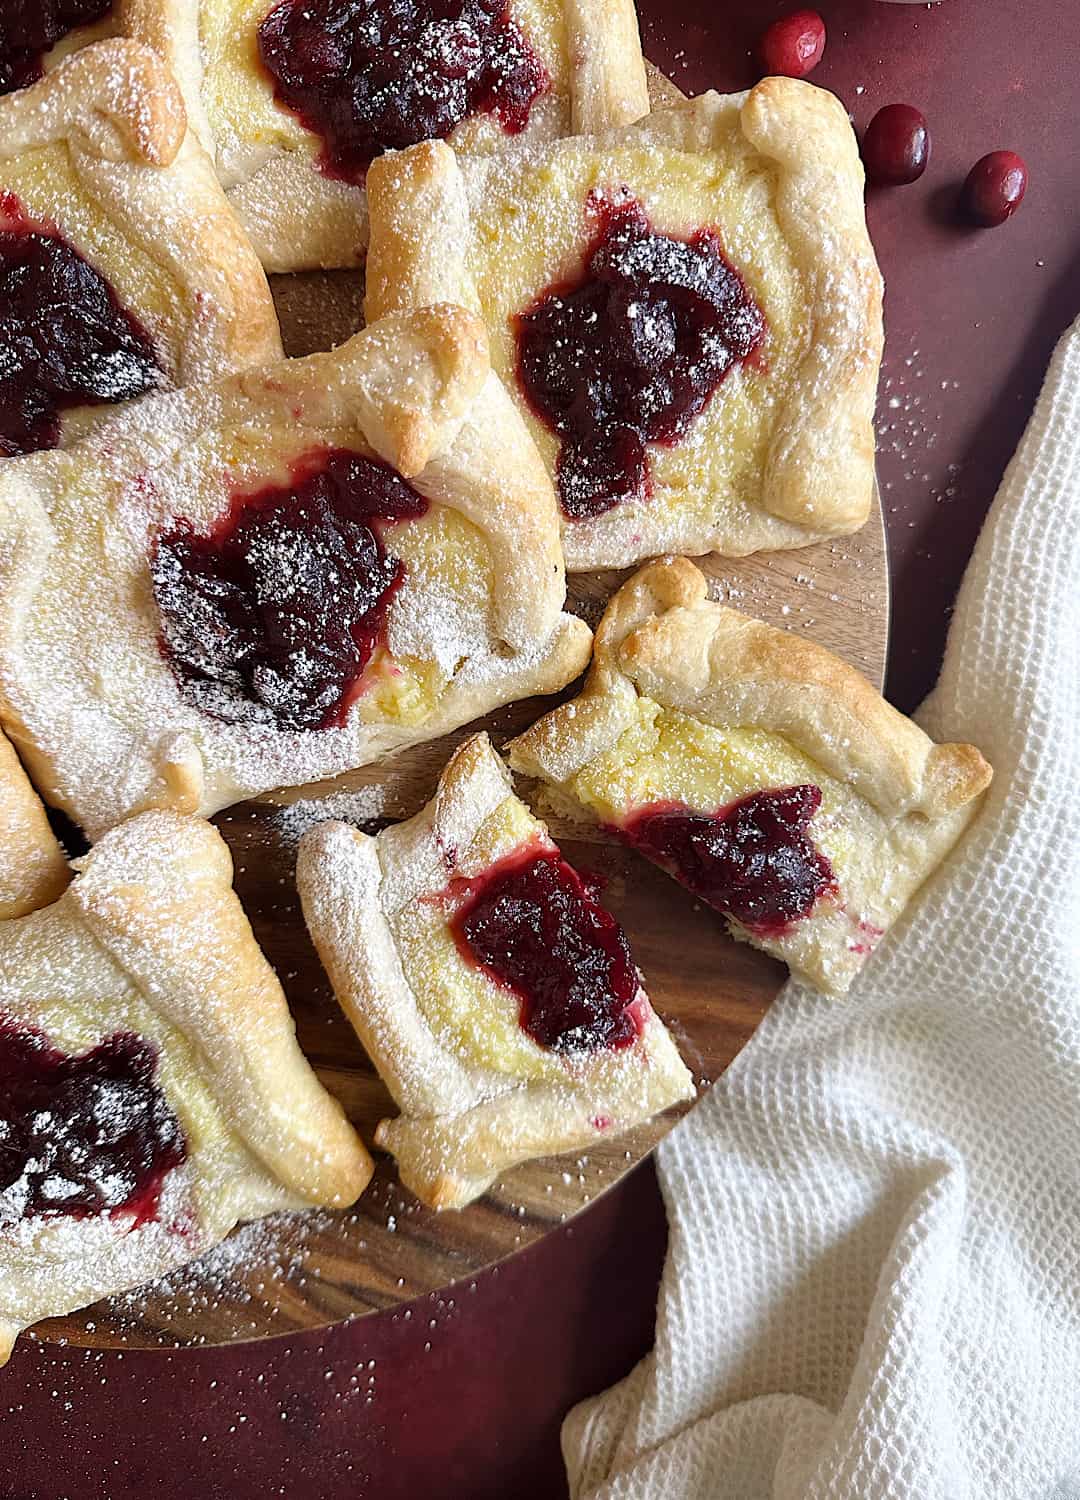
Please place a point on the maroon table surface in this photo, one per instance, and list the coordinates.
(461, 1395)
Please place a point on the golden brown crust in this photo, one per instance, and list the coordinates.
(413, 389)
(33, 868)
(664, 637)
(177, 929)
(820, 469)
(818, 473)
(461, 1122)
(122, 119)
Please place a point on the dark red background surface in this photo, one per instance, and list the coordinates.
(461, 1396)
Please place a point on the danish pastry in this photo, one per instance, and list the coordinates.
(687, 312)
(152, 1093)
(294, 98)
(758, 769)
(279, 577)
(497, 998)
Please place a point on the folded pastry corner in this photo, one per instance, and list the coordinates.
(497, 998)
(152, 1093)
(757, 768)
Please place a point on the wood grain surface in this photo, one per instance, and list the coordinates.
(296, 1272)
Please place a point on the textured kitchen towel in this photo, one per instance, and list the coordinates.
(873, 1284)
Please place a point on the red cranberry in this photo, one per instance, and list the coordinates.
(793, 45)
(995, 188)
(896, 146)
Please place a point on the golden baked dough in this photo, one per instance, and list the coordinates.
(33, 867)
(98, 149)
(691, 705)
(783, 453)
(477, 1093)
(85, 691)
(298, 217)
(150, 943)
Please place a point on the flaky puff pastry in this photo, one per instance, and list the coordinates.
(99, 151)
(690, 705)
(782, 455)
(150, 942)
(299, 217)
(85, 690)
(33, 867)
(477, 1094)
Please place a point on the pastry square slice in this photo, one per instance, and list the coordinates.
(280, 577)
(761, 771)
(122, 269)
(152, 1093)
(495, 995)
(33, 867)
(687, 312)
(294, 98)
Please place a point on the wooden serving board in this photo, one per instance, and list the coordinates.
(298, 1272)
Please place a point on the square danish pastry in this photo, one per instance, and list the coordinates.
(761, 771)
(295, 98)
(152, 1093)
(122, 269)
(687, 312)
(280, 577)
(497, 998)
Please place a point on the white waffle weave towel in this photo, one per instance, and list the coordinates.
(872, 1289)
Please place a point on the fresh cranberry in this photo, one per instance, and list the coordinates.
(995, 188)
(28, 28)
(272, 617)
(533, 926)
(82, 1135)
(752, 860)
(375, 75)
(792, 46)
(896, 146)
(631, 352)
(64, 338)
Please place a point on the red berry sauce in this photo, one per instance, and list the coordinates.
(273, 616)
(792, 46)
(65, 340)
(534, 926)
(631, 352)
(752, 860)
(896, 146)
(28, 28)
(995, 188)
(377, 75)
(83, 1135)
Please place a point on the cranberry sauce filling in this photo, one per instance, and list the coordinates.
(82, 1135)
(64, 338)
(375, 75)
(274, 615)
(753, 860)
(28, 28)
(534, 926)
(631, 352)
